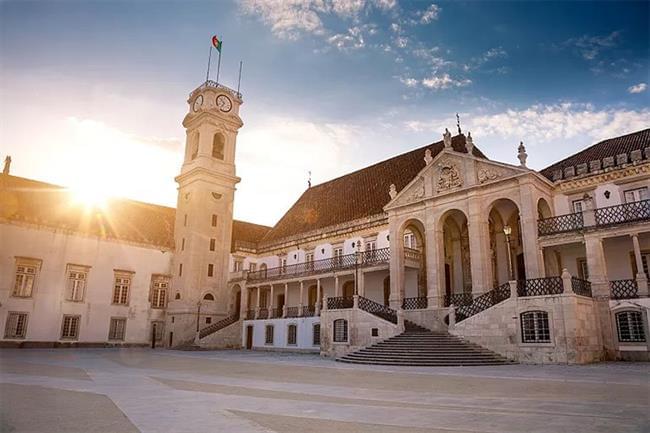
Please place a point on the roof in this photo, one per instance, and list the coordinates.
(607, 148)
(360, 194)
(53, 206)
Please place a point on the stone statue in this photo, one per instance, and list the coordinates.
(427, 156)
(522, 155)
(393, 191)
(469, 143)
(7, 167)
(446, 138)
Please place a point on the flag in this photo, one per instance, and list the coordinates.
(216, 43)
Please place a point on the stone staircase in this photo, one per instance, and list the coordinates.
(418, 346)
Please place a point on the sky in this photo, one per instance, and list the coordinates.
(93, 93)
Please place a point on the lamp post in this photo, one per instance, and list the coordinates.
(198, 315)
(507, 230)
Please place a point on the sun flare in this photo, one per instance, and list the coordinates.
(91, 194)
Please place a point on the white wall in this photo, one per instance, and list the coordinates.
(304, 334)
(47, 305)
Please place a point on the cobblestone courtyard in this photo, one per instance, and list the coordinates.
(234, 391)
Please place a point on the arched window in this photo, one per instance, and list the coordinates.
(630, 326)
(340, 331)
(535, 327)
(208, 297)
(268, 335)
(316, 334)
(218, 143)
(292, 335)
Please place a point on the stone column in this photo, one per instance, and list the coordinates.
(478, 248)
(362, 283)
(513, 289)
(396, 265)
(597, 266)
(434, 250)
(528, 217)
(318, 297)
(641, 277)
(337, 289)
(257, 305)
(243, 302)
(271, 302)
(286, 299)
(302, 297)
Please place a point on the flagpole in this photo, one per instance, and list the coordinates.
(219, 61)
(207, 74)
(239, 82)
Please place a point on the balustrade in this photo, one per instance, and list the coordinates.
(624, 289)
(339, 303)
(540, 286)
(414, 303)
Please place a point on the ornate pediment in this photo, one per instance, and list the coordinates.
(449, 175)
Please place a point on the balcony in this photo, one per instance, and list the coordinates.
(349, 261)
(602, 217)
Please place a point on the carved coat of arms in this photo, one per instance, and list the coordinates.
(449, 176)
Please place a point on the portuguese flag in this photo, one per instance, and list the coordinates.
(216, 43)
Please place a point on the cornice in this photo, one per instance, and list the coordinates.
(604, 176)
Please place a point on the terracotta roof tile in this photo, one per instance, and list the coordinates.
(357, 195)
(607, 148)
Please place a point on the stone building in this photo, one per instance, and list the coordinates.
(438, 256)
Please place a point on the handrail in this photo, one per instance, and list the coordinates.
(581, 287)
(211, 329)
(340, 303)
(377, 309)
(540, 286)
(483, 302)
(416, 303)
(560, 224)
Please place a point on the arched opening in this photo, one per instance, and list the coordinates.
(457, 263)
(236, 291)
(312, 297)
(506, 247)
(208, 297)
(387, 291)
(218, 144)
(414, 260)
(543, 209)
(348, 289)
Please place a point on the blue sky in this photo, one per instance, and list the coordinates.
(94, 93)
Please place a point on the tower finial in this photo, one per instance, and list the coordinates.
(521, 154)
(7, 166)
(309, 179)
(458, 123)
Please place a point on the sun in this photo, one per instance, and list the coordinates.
(91, 194)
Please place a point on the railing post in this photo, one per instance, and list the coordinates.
(355, 302)
(452, 317)
(317, 306)
(566, 281)
(324, 305)
(284, 311)
(400, 320)
(513, 289)
(302, 295)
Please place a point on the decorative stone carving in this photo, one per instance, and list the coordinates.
(449, 176)
(594, 165)
(469, 143)
(427, 156)
(488, 174)
(636, 155)
(646, 152)
(581, 168)
(621, 159)
(417, 192)
(569, 171)
(446, 138)
(522, 155)
(392, 191)
(557, 174)
(608, 161)
(216, 195)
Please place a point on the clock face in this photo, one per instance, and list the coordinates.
(224, 104)
(197, 103)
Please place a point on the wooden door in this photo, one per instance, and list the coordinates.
(249, 337)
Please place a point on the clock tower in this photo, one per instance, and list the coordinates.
(204, 212)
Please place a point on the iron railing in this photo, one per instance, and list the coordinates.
(293, 311)
(250, 314)
(540, 286)
(263, 313)
(623, 213)
(458, 299)
(218, 325)
(377, 309)
(275, 313)
(581, 287)
(308, 311)
(415, 303)
(215, 85)
(348, 261)
(339, 303)
(560, 224)
(483, 302)
(624, 289)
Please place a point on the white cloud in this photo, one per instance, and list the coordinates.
(430, 14)
(288, 19)
(401, 41)
(408, 81)
(590, 47)
(638, 88)
(444, 81)
(385, 4)
(353, 39)
(347, 8)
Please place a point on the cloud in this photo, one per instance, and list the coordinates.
(353, 39)
(430, 14)
(408, 81)
(444, 81)
(590, 47)
(288, 19)
(385, 4)
(638, 88)
(347, 8)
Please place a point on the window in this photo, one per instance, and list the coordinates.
(263, 298)
(338, 254)
(185, 220)
(217, 146)
(158, 329)
(371, 246)
(263, 268)
(583, 270)
(292, 335)
(214, 220)
(252, 267)
(213, 243)
(309, 257)
(534, 327)
(316, 334)
(210, 270)
(374, 332)
(121, 289)
(409, 240)
(117, 328)
(630, 327)
(180, 270)
(26, 271)
(268, 334)
(183, 245)
(238, 266)
(578, 206)
(208, 320)
(159, 287)
(340, 331)
(70, 327)
(283, 265)
(76, 285)
(637, 194)
(16, 326)
(208, 297)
